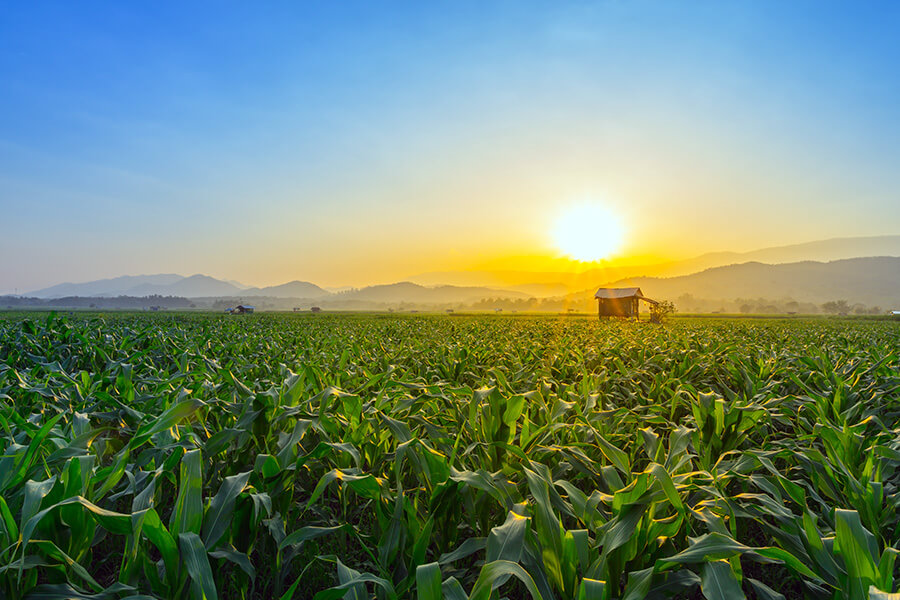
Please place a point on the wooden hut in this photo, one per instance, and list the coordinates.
(619, 302)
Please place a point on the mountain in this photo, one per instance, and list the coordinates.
(873, 281)
(818, 251)
(204, 286)
(237, 284)
(766, 273)
(827, 250)
(293, 289)
(548, 283)
(106, 287)
(195, 286)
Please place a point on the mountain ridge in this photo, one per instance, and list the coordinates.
(817, 250)
(871, 279)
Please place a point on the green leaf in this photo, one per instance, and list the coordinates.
(218, 516)
(187, 515)
(858, 548)
(505, 542)
(353, 582)
(453, 590)
(665, 480)
(309, 533)
(494, 573)
(763, 591)
(591, 589)
(638, 584)
(241, 559)
(617, 457)
(166, 420)
(366, 486)
(8, 527)
(289, 594)
(712, 546)
(193, 553)
(468, 547)
(718, 582)
(64, 591)
(428, 582)
(148, 523)
(514, 406)
(622, 527)
(53, 551)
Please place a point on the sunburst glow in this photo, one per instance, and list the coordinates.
(588, 232)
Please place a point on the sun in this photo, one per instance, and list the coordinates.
(588, 232)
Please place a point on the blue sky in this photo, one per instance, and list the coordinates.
(353, 143)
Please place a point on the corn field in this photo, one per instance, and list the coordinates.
(441, 457)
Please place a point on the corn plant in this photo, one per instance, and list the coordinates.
(447, 457)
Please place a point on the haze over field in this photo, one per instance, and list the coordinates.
(868, 283)
(534, 149)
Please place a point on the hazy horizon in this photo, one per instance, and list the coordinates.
(355, 144)
(573, 275)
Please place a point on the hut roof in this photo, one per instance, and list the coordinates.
(619, 293)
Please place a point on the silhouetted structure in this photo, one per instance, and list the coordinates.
(619, 302)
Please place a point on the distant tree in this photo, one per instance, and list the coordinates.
(660, 311)
(839, 307)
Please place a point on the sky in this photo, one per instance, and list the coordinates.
(352, 143)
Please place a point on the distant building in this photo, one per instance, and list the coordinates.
(620, 302)
(242, 309)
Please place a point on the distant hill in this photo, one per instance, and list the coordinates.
(817, 251)
(293, 289)
(546, 284)
(117, 286)
(206, 287)
(827, 250)
(195, 286)
(872, 281)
